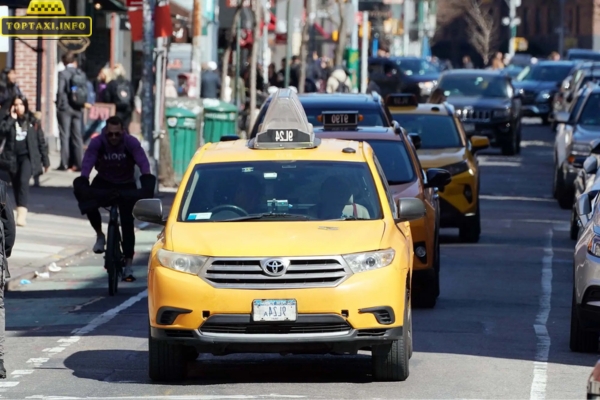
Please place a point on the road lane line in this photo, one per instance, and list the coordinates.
(515, 198)
(174, 397)
(540, 365)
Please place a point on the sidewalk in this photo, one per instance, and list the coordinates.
(56, 231)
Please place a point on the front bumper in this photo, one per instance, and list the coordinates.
(371, 316)
(498, 132)
(458, 200)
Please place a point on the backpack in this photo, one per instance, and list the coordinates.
(123, 94)
(78, 89)
(342, 87)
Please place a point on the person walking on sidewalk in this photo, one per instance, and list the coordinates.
(8, 89)
(119, 92)
(7, 236)
(71, 99)
(25, 152)
(114, 154)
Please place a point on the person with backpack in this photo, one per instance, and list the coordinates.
(7, 236)
(71, 100)
(114, 154)
(119, 92)
(339, 82)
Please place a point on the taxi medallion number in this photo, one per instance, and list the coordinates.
(274, 310)
(283, 136)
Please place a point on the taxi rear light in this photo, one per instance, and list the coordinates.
(320, 118)
(360, 118)
(571, 159)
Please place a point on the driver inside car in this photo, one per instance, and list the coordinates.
(336, 201)
(249, 194)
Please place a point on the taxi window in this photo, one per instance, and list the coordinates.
(590, 114)
(282, 190)
(394, 160)
(437, 131)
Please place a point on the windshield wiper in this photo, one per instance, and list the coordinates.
(267, 216)
(350, 218)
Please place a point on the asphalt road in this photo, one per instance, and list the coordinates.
(500, 329)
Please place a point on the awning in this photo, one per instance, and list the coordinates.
(15, 3)
(109, 6)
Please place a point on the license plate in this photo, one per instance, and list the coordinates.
(469, 127)
(274, 310)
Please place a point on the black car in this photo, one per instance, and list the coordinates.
(539, 84)
(487, 104)
(404, 75)
(371, 108)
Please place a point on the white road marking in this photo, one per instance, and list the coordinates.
(540, 365)
(8, 384)
(22, 372)
(176, 397)
(515, 198)
(534, 143)
(53, 350)
(513, 164)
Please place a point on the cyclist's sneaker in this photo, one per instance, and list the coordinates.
(99, 245)
(128, 274)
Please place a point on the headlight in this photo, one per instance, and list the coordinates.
(361, 262)
(543, 95)
(427, 85)
(501, 113)
(594, 246)
(457, 168)
(188, 263)
(581, 149)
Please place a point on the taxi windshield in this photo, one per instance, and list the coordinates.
(280, 190)
(437, 131)
(394, 160)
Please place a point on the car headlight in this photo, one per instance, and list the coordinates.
(543, 95)
(361, 262)
(581, 149)
(427, 85)
(457, 168)
(594, 246)
(188, 263)
(501, 113)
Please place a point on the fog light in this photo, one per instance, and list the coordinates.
(420, 252)
(468, 193)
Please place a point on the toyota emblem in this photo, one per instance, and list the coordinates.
(275, 266)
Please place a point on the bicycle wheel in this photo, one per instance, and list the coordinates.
(112, 259)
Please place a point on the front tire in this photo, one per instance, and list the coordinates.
(470, 228)
(511, 147)
(166, 362)
(112, 259)
(564, 195)
(574, 231)
(581, 341)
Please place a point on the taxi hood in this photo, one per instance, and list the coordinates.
(439, 158)
(274, 238)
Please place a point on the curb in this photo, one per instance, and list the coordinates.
(15, 281)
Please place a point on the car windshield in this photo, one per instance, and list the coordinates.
(437, 131)
(545, 73)
(394, 160)
(474, 85)
(280, 190)
(590, 114)
(417, 67)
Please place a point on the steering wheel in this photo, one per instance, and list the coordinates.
(230, 207)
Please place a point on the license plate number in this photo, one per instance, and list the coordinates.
(469, 127)
(274, 310)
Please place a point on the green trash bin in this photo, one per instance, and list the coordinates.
(220, 119)
(182, 125)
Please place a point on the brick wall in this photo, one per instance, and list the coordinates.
(25, 66)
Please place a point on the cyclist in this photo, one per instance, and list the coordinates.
(115, 153)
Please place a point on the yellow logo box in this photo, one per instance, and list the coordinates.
(39, 26)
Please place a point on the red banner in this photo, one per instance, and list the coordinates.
(163, 25)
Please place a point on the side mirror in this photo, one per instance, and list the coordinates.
(149, 210)
(590, 165)
(583, 206)
(397, 127)
(416, 139)
(409, 209)
(479, 143)
(562, 117)
(437, 177)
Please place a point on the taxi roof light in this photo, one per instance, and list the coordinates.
(401, 100)
(285, 125)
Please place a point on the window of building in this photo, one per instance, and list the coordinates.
(570, 20)
(577, 28)
(538, 21)
(549, 21)
(524, 21)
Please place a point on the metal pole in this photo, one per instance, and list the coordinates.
(148, 83)
(160, 84)
(364, 54)
(196, 44)
(266, 51)
(561, 33)
(512, 14)
(288, 50)
(406, 28)
(421, 16)
(238, 59)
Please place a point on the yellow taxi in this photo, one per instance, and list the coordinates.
(284, 243)
(444, 144)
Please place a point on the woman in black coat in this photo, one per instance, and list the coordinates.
(8, 90)
(24, 153)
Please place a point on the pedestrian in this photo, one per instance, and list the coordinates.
(25, 152)
(8, 89)
(211, 81)
(119, 92)
(437, 97)
(466, 62)
(339, 82)
(7, 236)
(554, 56)
(102, 81)
(71, 98)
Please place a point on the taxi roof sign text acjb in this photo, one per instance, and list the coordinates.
(401, 100)
(285, 125)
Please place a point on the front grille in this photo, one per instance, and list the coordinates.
(244, 273)
(528, 97)
(472, 115)
(274, 329)
(175, 333)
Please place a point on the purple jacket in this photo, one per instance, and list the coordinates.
(114, 164)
